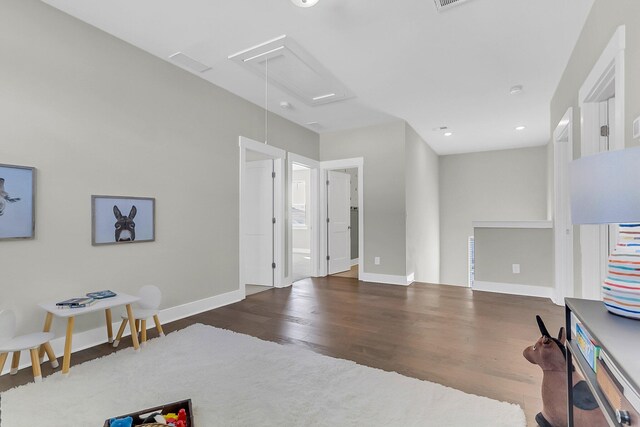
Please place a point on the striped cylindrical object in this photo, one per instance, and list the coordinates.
(621, 288)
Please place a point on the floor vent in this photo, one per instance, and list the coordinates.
(442, 5)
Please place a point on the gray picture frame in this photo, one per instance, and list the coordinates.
(100, 215)
(7, 199)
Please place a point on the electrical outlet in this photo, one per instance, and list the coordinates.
(516, 268)
(376, 260)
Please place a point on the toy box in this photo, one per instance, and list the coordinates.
(589, 350)
(164, 409)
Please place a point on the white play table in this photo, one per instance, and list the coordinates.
(70, 313)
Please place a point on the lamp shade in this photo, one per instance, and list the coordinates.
(605, 188)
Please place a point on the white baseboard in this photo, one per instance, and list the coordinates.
(508, 288)
(387, 279)
(98, 336)
(355, 262)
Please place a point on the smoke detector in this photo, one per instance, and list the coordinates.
(442, 5)
(304, 3)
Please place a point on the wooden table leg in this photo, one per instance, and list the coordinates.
(132, 326)
(35, 364)
(15, 362)
(66, 362)
(3, 358)
(158, 325)
(52, 356)
(143, 331)
(47, 328)
(107, 313)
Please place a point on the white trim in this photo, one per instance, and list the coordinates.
(355, 261)
(513, 289)
(563, 230)
(278, 156)
(301, 251)
(387, 279)
(98, 336)
(610, 68)
(512, 224)
(314, 208)
(357, 162)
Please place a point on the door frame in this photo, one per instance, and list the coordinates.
(278, 155)
(353, 163)
(314, 168)
(562, 226)
(608, 70)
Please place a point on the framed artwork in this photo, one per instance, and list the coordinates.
(17, 202)
(122, 220)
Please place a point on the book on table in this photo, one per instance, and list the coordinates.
(76, 303)
(101, 294)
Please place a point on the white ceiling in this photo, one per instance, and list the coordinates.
(400, 58)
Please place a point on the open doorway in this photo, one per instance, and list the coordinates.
(343, 227)
(602, 116)
(303, 217)
(261, 216)
(342, 218)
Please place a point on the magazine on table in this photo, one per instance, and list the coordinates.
(76, 303)
(101, 294)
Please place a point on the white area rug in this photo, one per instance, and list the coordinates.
(238, 380)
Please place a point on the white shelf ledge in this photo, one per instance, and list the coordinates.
(512, 224)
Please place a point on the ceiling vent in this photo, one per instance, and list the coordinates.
(189, 63)
(291, 68)
(443, 5)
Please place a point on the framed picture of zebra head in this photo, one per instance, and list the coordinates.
(122, 220)
(17, 202)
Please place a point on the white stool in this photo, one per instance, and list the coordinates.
(149, 304)
(9, 343)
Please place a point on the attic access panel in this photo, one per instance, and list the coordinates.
(291, 68)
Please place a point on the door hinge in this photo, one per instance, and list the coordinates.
(327, 182)
(604, 130)
(327, 220)
(328, 257)
(274, 220)
(273, 265)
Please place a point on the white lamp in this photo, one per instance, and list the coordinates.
(304, 3)
(605, 189)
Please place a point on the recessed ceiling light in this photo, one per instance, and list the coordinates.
(521, 128)
(304, 3)
(516, 90)
(448, 133)
(329, 95)
(286, 105)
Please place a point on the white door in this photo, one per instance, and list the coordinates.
(258, 222)
(339, 226)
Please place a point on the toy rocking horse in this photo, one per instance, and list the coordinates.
(550, 354)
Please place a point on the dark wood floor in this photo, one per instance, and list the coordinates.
(471, 341)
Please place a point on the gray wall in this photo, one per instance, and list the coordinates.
(383, 150)
(505, 185)
(603, 20)
(423, 209)
(95, 115)
(497, 249)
